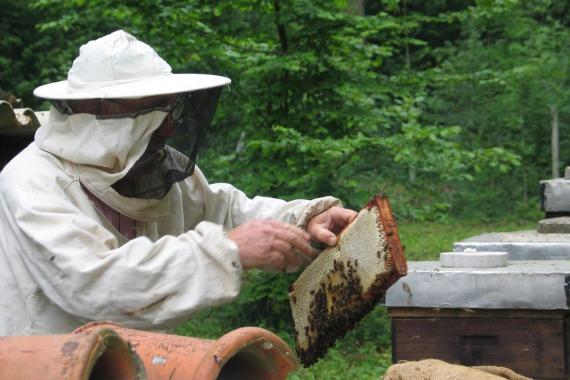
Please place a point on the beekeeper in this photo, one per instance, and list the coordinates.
(100, 220)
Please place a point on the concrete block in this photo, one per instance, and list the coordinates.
(559, 225)
(473, 259)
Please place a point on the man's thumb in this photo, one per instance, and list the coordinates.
(328, 237)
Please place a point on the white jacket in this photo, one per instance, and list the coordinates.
(63, 264)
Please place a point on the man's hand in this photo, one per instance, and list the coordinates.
(325, 227)
(269, 243)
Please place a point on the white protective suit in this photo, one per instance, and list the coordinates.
(62, 263)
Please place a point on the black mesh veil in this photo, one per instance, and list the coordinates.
(161, 166)
(196, 118)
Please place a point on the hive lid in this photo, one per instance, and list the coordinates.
(346, 281)
(521, 245)
(528, 285)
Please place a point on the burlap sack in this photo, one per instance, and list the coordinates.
(432, 369)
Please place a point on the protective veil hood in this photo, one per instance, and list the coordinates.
(102, 151)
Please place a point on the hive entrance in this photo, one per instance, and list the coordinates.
(346, 281)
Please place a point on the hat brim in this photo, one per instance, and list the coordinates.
(159, 85)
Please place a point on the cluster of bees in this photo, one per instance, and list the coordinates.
(341, 297)
(333, 311)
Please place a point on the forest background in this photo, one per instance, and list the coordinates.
(447, 106)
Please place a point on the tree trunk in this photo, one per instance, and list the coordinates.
(281, 32)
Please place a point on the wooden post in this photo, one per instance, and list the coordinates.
(554, 142)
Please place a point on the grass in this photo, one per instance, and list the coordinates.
(365, 351)
(425, 241)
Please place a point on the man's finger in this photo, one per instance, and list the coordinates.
(342, 217)
(292, 259)
(302, 233)
(277, 260)
(350, 215)
(303, 258)
(296, 239)
(281, 246)
(323, 235)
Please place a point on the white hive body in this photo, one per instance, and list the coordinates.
(345, 281)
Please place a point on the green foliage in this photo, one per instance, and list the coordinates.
(264, 300)
(427, 102)
(444, 105)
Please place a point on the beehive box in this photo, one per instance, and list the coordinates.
(514, 316)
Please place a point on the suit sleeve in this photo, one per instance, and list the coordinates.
(81, 267)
